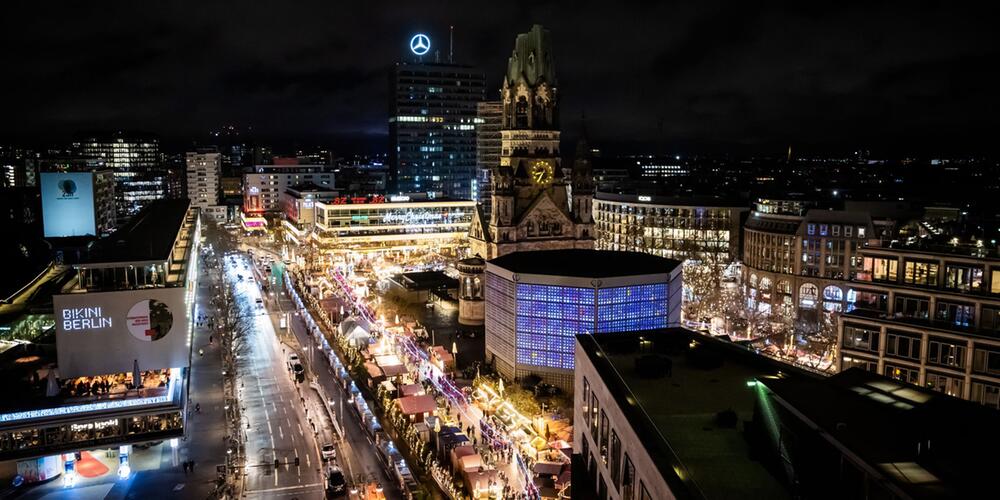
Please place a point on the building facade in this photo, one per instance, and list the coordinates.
(799, 261)
(374, 224)
(88, 210)
(929, 317)
(432, 128)
(137, 284)
(264, 188)
(490, 115)
(536, 203)
(704, 230)
(536, 302)
(135, 159)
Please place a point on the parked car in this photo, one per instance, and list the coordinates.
(328, 451)
(293, 359)
(299, 371)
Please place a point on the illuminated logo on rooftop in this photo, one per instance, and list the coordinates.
(420, 44)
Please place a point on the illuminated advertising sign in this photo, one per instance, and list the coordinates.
(68, 204)
(420, 44)
(101, 333)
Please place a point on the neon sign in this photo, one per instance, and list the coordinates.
(420, 44)
(84, 318)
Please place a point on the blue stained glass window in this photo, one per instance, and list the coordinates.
(549, 317)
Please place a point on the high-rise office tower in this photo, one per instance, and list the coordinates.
(489, 115)
(432, 127)
(135, 159)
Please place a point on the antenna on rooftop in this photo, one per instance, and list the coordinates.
(451, 44)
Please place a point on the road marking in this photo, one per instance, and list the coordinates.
(281, 432)
(286, 488)
(300, 429)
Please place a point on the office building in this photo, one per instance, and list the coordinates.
(204, 184)
(78, 203)
(432, 128)
(135, 160)
(137, 284)
(536, 203)
(536, 302)
(927, 315)
(490, 115)
(18, 168)
(702, 229)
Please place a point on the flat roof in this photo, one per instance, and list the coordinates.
(149, 236)
(696, 456)
(683, 200)
(425, 280)
(585, 263)
(881, 421)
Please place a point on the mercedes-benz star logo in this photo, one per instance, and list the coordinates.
(420, 44)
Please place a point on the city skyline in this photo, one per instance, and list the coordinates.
(659, 79)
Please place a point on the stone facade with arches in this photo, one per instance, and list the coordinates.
(800, 262)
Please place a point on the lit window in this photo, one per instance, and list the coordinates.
(811, 228)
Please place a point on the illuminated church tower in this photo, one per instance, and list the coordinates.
(536, 204)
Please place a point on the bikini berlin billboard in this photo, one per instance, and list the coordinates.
(68, 204)
(102, 333)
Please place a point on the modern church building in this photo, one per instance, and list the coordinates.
(537, 302)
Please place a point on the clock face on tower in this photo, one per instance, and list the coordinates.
(541, 172)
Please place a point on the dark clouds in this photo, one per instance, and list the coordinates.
(662, 74)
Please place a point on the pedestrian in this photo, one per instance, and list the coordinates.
(211, 339)
(197, 407)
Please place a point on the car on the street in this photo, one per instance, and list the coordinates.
(328, 451)
(260, 303)
(299, 372)
(293, 359)
(336, 483)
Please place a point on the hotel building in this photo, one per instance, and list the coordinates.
(432, 128)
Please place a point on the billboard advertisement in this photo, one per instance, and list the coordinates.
(102, 333)
(68, 204)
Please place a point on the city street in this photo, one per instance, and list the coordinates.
(279, 429)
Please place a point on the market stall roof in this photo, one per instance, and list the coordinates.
(442, 354)
(388, 360)
(411, 389)
(548, 468)
(373, 370)
(394, 370)
(415, 405)
(471, 463)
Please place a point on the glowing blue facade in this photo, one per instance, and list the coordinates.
(532, 319)
(548, 317)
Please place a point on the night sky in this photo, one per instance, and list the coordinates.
(648, 75)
